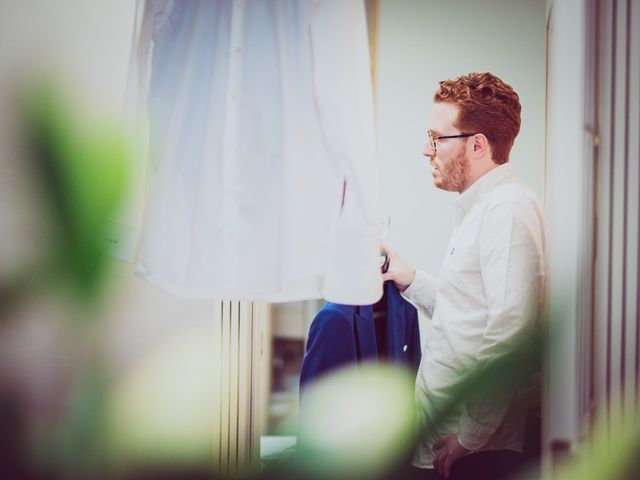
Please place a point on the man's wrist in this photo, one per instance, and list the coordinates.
(411, 277)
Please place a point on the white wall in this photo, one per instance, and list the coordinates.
(87, 43)
(420, 43)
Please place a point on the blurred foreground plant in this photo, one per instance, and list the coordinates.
(80, 172)
(356, 423)
(610, 452)
(79, 175)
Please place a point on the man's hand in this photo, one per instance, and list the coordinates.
(447, 450)
(399, 271)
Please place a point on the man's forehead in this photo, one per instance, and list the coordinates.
(443, 117)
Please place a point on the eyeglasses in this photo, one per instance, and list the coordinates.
(432, 139)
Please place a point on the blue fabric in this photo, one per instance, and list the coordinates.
(345, 334)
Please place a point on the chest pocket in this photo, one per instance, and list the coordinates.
(462, 260)
(460, 271)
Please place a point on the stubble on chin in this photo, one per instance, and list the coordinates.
(455, 174)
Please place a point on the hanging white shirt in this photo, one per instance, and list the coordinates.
(484, 301)
(262, 182)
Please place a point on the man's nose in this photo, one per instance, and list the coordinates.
(427, 151)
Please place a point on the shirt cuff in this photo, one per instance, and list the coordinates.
(464, 445)
(422, 291)
(473, 435)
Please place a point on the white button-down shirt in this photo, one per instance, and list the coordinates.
(484, 300)
(263, 173)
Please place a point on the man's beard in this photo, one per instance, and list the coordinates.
(455, 174)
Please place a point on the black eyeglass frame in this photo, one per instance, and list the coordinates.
(433, 139)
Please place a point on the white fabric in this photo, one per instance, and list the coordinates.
(483, 302)
(260, 117)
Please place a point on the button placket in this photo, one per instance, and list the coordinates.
(232, 119)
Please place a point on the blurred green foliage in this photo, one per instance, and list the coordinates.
(79, 176)
(610, 452)
(81, 169)
(358, 422)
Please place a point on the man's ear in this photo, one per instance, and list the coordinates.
(480, 144)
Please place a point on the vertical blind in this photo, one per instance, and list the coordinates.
(242, 352)
(616, 318)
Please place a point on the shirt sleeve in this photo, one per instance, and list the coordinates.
(422, 292)
(149, 15)
(511, 256)
(343, 97)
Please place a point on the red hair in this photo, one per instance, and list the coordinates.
(486, 105)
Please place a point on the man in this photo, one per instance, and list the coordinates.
(485, 298)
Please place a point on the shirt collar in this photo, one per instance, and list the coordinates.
(470, 196)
